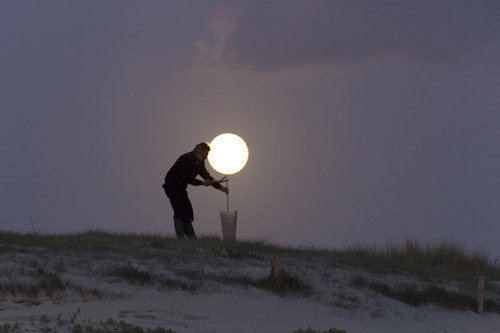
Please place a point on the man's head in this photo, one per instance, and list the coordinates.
(201, 150)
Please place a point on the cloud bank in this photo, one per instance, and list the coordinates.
(277, 35)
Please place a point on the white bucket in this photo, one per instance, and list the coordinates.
(228, 223)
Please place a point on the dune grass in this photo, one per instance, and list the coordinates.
(444, 258)
(436, 264)
(132, 274)
(310, 330)
(450, 258)
(45, 324)
(289, 284)
(414, 295)
(111, 325)
(41, 280)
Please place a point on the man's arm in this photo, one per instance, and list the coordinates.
(209, 180)
(196, 182)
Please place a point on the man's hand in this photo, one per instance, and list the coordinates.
(208, 182)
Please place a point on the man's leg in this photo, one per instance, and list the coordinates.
(179, 228)
(188, 229)
(183, 212)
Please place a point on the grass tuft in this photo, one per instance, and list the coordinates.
(289, 284)
(131, 274)
(40, 280)
(7, 328)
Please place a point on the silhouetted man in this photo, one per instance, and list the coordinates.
(184, 172)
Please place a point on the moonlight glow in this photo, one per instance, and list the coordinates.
(228, 153)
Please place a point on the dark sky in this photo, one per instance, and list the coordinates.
(366, 121)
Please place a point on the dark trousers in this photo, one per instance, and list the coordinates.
(184, 229)
(183, 211)
(180, 202)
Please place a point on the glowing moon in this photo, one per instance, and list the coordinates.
(228, 153)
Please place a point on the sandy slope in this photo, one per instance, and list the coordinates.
(248, 310)
(214, 305)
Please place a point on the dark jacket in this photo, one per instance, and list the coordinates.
(184, 172)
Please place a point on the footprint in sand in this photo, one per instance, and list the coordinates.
(142, 316)
(132, 313)
(126, 313)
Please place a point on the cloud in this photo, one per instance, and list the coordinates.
(223, 27)
(276, 35)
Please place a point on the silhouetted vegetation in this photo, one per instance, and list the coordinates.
(441, 258)
(310, 330)
(46, 324)
(40, 280)
(416, 296)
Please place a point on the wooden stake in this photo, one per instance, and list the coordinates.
(480, 295)
(277, 268)
(276, 275)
